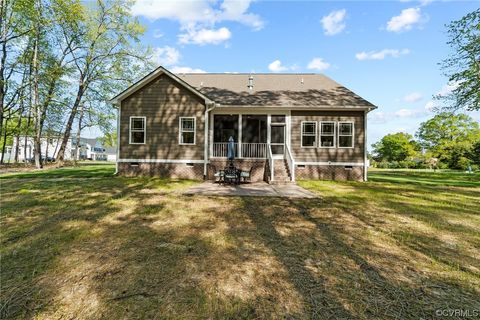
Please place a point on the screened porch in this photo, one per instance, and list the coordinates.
(251, 134)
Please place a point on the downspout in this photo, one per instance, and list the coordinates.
(118, 139)
(206, 137)
(365, 167)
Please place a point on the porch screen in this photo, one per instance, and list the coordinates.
(224, 127)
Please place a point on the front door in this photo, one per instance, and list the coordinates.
(277, 140)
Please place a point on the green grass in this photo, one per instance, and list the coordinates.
(81, 243)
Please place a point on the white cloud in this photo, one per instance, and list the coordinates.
(448, 88)
(157, 33)
(204, 12)
(380, 55)
(235, 10)
(205, 36)
(410, 113)
(405, 21)
(430, 105)
(413, 97)
(334, 23)
(166, 56)
(318, 64)
(276, 66)
(177, 69)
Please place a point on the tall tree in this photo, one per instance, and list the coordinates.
(449, 137)
(107, 57)
(395, 147)
(463, 67)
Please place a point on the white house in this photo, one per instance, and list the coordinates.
(49, 148)
(89, 149)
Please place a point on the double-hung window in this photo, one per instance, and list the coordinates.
(309, 134)
(345, 134)
(187, 130)
(137, 130)
(327, 134)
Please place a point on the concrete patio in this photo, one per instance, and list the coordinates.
(257, 189)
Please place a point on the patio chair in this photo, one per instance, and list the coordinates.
(246, 175)
(230, 175)
(218, 175)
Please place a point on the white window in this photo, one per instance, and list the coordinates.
(327, 134)
(187, 130)
(345, 134)
(137, 130)
(309, 134)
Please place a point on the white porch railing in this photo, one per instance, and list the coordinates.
(290, 162)
(220, 149)
(248, 150)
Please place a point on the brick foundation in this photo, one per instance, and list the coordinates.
(311, 172)
(258, 166)
(164, 170)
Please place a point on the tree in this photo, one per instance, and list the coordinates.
(106, 58)
(463, 67)
(475, 153)
(395, 147)
(450, 138)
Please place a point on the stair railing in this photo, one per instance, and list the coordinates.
(290, 162)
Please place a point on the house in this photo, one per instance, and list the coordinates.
(285, 126)
(89, 149)
(49, 148)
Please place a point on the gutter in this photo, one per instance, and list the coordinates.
(206, 137)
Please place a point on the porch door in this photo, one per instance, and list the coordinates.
(277, 139)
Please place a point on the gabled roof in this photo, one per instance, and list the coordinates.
(149, 77)
(267, 89)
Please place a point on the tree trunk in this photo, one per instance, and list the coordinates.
(3, 27)
(68, 126)
(4, 142)
(37, 112)
(79, 131)
(17, 148)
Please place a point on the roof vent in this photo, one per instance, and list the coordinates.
(301, 81)
(201, 83)
(250, 82)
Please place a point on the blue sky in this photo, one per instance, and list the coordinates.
(386, 51)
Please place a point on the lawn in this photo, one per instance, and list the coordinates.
(79, 243)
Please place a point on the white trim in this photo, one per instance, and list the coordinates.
(118, 138)
(327, 135)
(329, 163)
(344, 135)
(162, 160)
(299, 108)
(206, 124)
(180, 131)
(310, 135)
(144, 129)
(365, 167)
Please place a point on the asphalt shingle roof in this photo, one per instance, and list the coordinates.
(274, 90)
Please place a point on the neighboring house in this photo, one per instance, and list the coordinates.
(285, 126)
(49, 148)
(111, 153)
(90, 149)
(93, 149)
